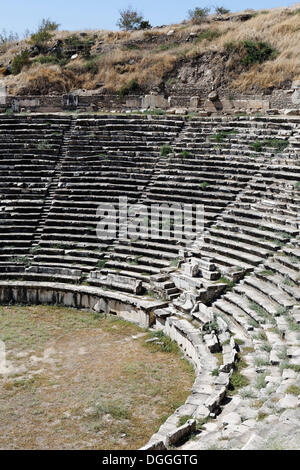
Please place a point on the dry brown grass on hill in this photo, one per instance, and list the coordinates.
(151, 56)
(45, 80)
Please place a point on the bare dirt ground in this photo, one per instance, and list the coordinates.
(72, 380)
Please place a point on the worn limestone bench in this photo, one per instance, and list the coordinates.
(129, 307)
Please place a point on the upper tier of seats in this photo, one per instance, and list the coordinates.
(57, 170)
(30, 149)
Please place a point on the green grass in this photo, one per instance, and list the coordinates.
(258, 309)
(101, 264)
(277, 144)
(165, 150)
(222, 135)
(261, 336)
(165, 343)
(185, 153)
(237, 379)
(261, 381)
(155, 112)
(253, 323)
(260, 362)
(261, 416)
(266, 347)
(227, 281)
(293, 390)
(266, 272)
(208, 35)
(183, 420)
(115, 409)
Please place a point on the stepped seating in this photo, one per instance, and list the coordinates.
(235, 136)
(30, 149)
(72, 219)
(254, 226)
(90, 178)
(177, 181)
(121, 135)
(262, 312)
(215, 182)
(55, 172)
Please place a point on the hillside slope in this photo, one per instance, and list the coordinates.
(249, 52)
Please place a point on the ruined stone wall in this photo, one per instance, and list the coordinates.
(189, 99)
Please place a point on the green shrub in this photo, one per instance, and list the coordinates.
(165, 150)
(209, 35)
(278, 144)
(227, 281)
(40, 37)
(221, 10)
(251, 52)
(185, 153)
(261, 416)
(101, 264)
(130, 87)
(237, 381)
(221, 135)
(51, 59)
(132, 20)
(48, 25)
(91, 66)
(19, 61)
(257, 146)
(43, 35)
(198, 15)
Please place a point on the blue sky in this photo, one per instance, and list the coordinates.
(19, 15)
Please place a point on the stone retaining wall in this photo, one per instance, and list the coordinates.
(139, 311)
(208, 391)
(189, 99)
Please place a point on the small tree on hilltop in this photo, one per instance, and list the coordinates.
(221, 10)
(198, 15)
(132, 20)
(43, 33)
(48, 25)
(145, 25)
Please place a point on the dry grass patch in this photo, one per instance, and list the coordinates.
(79, 381)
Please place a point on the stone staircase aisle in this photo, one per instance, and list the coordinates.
(52, 187)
